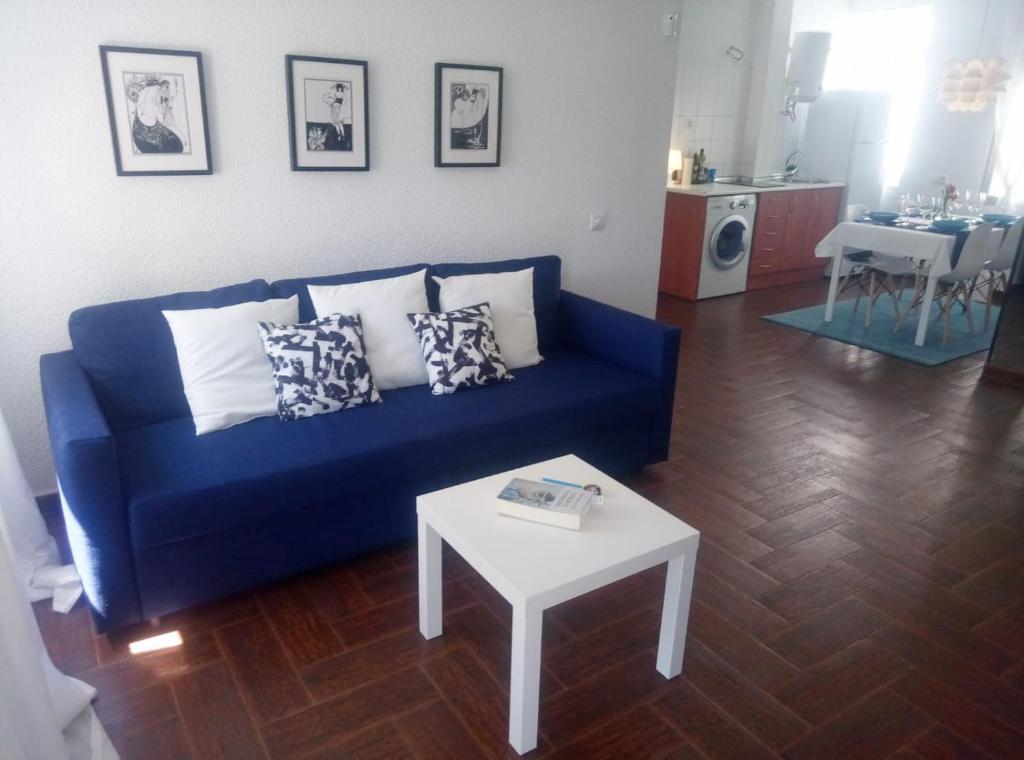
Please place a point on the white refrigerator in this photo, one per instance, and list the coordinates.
(844, 140)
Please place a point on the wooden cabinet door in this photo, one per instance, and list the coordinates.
(798, 205)
(769, 229)
(823, 214)
(682, 243)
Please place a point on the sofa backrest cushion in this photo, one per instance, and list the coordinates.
(127, 352)
(547, 285)
(298, 286)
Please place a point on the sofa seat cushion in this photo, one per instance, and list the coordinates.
(179, 485)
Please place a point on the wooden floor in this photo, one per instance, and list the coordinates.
(859, 593)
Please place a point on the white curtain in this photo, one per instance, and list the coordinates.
(35, 552)
(1008, 158)
(44, 714)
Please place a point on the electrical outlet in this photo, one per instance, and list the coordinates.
(670, 25)
(597, 221)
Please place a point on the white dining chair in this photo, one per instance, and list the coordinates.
(852, 269)
(995, 275)
(871, 272)
(957, 286)
(887, 274)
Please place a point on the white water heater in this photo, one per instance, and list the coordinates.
(807, 60)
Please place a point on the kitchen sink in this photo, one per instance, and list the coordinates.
(772, 180)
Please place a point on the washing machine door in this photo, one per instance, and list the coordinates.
(729, 242)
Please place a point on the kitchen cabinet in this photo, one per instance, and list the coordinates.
(682, 245)
(788, 225)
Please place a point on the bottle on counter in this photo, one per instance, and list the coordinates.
(698, 167)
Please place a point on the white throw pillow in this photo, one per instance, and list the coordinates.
(510, 296)
(227, 377)
(392, 350)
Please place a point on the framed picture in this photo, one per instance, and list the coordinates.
(157, 108)
(328, 114)
(467, 115)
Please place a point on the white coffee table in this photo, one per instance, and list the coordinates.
(538, 566)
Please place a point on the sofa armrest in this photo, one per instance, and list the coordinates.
(85, 459)
(630, 341)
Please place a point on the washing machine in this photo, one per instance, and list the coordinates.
(725, 257)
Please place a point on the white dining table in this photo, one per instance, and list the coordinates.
(933, 248)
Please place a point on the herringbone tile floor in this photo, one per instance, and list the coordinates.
(859, 593)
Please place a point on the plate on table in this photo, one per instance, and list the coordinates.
(999, 218)
(950, 225)
(885, 217)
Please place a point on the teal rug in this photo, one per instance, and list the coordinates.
(847, 326)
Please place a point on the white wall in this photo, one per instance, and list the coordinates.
(732, 108)
(711, 88)
(765, 133)
(588, 100)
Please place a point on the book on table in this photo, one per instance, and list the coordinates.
(559, 505)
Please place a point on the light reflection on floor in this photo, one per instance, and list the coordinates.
(155, 643)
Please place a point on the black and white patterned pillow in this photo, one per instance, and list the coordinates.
(459, 349)
(319, 366)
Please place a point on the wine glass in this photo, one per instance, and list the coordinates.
(959, 206)
(915, 205)
(963, 202)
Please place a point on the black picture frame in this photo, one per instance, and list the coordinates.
(296, 163)
(121, 162)
(440, 130)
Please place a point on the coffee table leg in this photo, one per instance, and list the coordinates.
(431, 605)
(527, 625)
(676, 612)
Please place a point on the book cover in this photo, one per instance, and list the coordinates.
(548, 503)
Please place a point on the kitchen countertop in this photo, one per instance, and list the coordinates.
(720, 188)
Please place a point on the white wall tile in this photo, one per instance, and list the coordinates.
(748, 150)
(709, 77)
(724, 128)
(686, 127)
(725, 103)
(751, 128)
(688, 90)
(733, 104)
(723, 152)
(706, 102)
(705, 128)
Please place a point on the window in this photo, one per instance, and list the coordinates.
(884, 51)
(1008, 166)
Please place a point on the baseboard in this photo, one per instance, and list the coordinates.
(49, 503)
(1003, 376)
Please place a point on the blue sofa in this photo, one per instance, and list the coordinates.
(160, 519)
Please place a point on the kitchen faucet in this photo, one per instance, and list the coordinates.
(792, 166)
